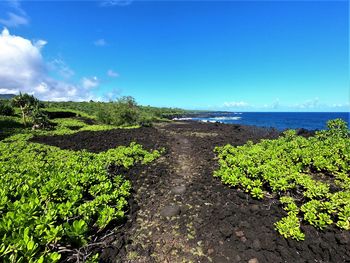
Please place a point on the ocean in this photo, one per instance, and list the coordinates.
(278, 120)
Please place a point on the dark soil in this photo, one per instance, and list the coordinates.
(99, 141)
(60, 114)
(212, 222)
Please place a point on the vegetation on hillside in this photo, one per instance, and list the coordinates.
(25, 112)
(309, 175)
(6, 109)
(123, 111)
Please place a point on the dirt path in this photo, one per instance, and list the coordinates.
(167, 228)
(207, 221)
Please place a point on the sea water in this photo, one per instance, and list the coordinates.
(278, 120)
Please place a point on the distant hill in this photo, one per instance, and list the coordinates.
(7, 96)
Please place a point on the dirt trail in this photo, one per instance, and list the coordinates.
(167, 228)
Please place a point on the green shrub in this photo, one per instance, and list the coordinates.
(52, 199)
(290, 166)
(123, 112)
(39, 118)
(6, 109)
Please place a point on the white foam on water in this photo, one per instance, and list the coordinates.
(227, 118)
(182, 119)
(209, 121)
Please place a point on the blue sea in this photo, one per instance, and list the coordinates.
(278, 120)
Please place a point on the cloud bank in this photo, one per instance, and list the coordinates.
(22, 68)
(236, 104)
(309, 105)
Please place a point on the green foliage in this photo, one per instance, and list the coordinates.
(39, 118)
(31, 108)
(6, 109)
(289, 226)
(122, 112)
(51, 198)
(10, 125)
(296, 166)
(26, 103)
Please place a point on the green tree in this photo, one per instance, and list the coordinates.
(126, 111)
(26, 103)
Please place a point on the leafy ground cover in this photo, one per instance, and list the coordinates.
(309, 175)
(53, 201)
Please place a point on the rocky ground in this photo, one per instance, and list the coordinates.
(181, 213)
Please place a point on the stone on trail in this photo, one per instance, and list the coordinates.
(253, 260)
(178, 181)
(239, 233)
(170, 210)
(179, 189)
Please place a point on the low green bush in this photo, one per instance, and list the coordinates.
(53, 201)
(6, 109)
(301, 171)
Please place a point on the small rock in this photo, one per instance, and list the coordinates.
(179, 189)
(239, 233)
(170, 210)
(253, 260)
(342, 238)
(178, 181)
(254, 207)
(256, 244)
(243, 239)
(210, 251)
(226, 230)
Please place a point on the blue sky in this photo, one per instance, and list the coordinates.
(222, 55)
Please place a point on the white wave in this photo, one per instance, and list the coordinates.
(209, 121)
(182, 119)
(226, 118)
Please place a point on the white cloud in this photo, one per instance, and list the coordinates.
(21, 63)
(108, 3)
(112, 95)
(22, 68)
(58, 65)
(309, 104)
(40, 43)
(112, 73)
(236, 104)
(14, 20)
(100, 42)
(16, 17)
(89, 83)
